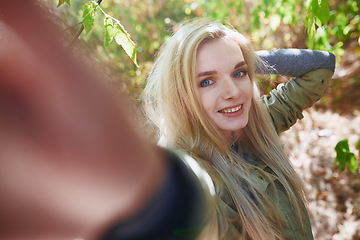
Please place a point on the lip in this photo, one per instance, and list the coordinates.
(233, 114)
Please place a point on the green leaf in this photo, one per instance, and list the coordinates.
(109, 31)
(89, 16)
(318, 21)
(323, 12)
(308, 5)
(310, 25)
(343, 156)
(342, 146)
(123, 38)
(320, 10)
(341, 149)
(61, 2)
(352, 163)
(315, 6)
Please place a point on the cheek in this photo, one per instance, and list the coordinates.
(208, 105)
(249, 90)
(205, 100)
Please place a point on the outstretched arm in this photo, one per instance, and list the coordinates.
(70, 158)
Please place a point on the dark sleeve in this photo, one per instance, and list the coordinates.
(177, 211)
(294, 62)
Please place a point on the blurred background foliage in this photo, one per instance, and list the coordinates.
(270, 24)
(334, 196)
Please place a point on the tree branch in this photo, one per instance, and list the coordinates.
(72, 26)
(76, 36)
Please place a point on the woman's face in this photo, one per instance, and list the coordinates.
(224, 85)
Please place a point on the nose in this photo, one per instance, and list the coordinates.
(230, 90)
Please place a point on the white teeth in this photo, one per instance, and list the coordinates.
(231, 110)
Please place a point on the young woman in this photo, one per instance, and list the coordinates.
(203, 97)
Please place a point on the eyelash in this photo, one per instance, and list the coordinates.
(243, 73)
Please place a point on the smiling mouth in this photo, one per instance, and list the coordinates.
(231, 110)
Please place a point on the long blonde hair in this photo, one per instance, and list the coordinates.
(172, 103)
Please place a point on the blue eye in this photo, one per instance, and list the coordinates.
(240, 74)
(206, 82)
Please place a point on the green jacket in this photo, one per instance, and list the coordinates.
(287, 101)
(285, 105)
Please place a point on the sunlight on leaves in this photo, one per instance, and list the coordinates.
(89, 16)
(123, 38)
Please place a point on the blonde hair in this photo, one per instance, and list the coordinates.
(172, 103)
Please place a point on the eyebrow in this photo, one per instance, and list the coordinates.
(240, 64)
(209, 73)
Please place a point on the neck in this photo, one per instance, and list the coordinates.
(231, 137)
(228, 135)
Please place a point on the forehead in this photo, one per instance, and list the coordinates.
(219, 54)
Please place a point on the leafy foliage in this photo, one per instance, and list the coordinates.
(270, 24)
(344, 156)
(122, 37)
(318, 13)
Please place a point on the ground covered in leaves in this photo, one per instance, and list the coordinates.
(334, 199)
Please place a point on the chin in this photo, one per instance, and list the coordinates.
(239, 127)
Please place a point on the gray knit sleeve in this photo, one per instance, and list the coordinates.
(294, 62)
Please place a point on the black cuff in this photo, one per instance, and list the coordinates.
(175, 213)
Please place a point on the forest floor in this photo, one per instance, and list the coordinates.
(334, 197)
